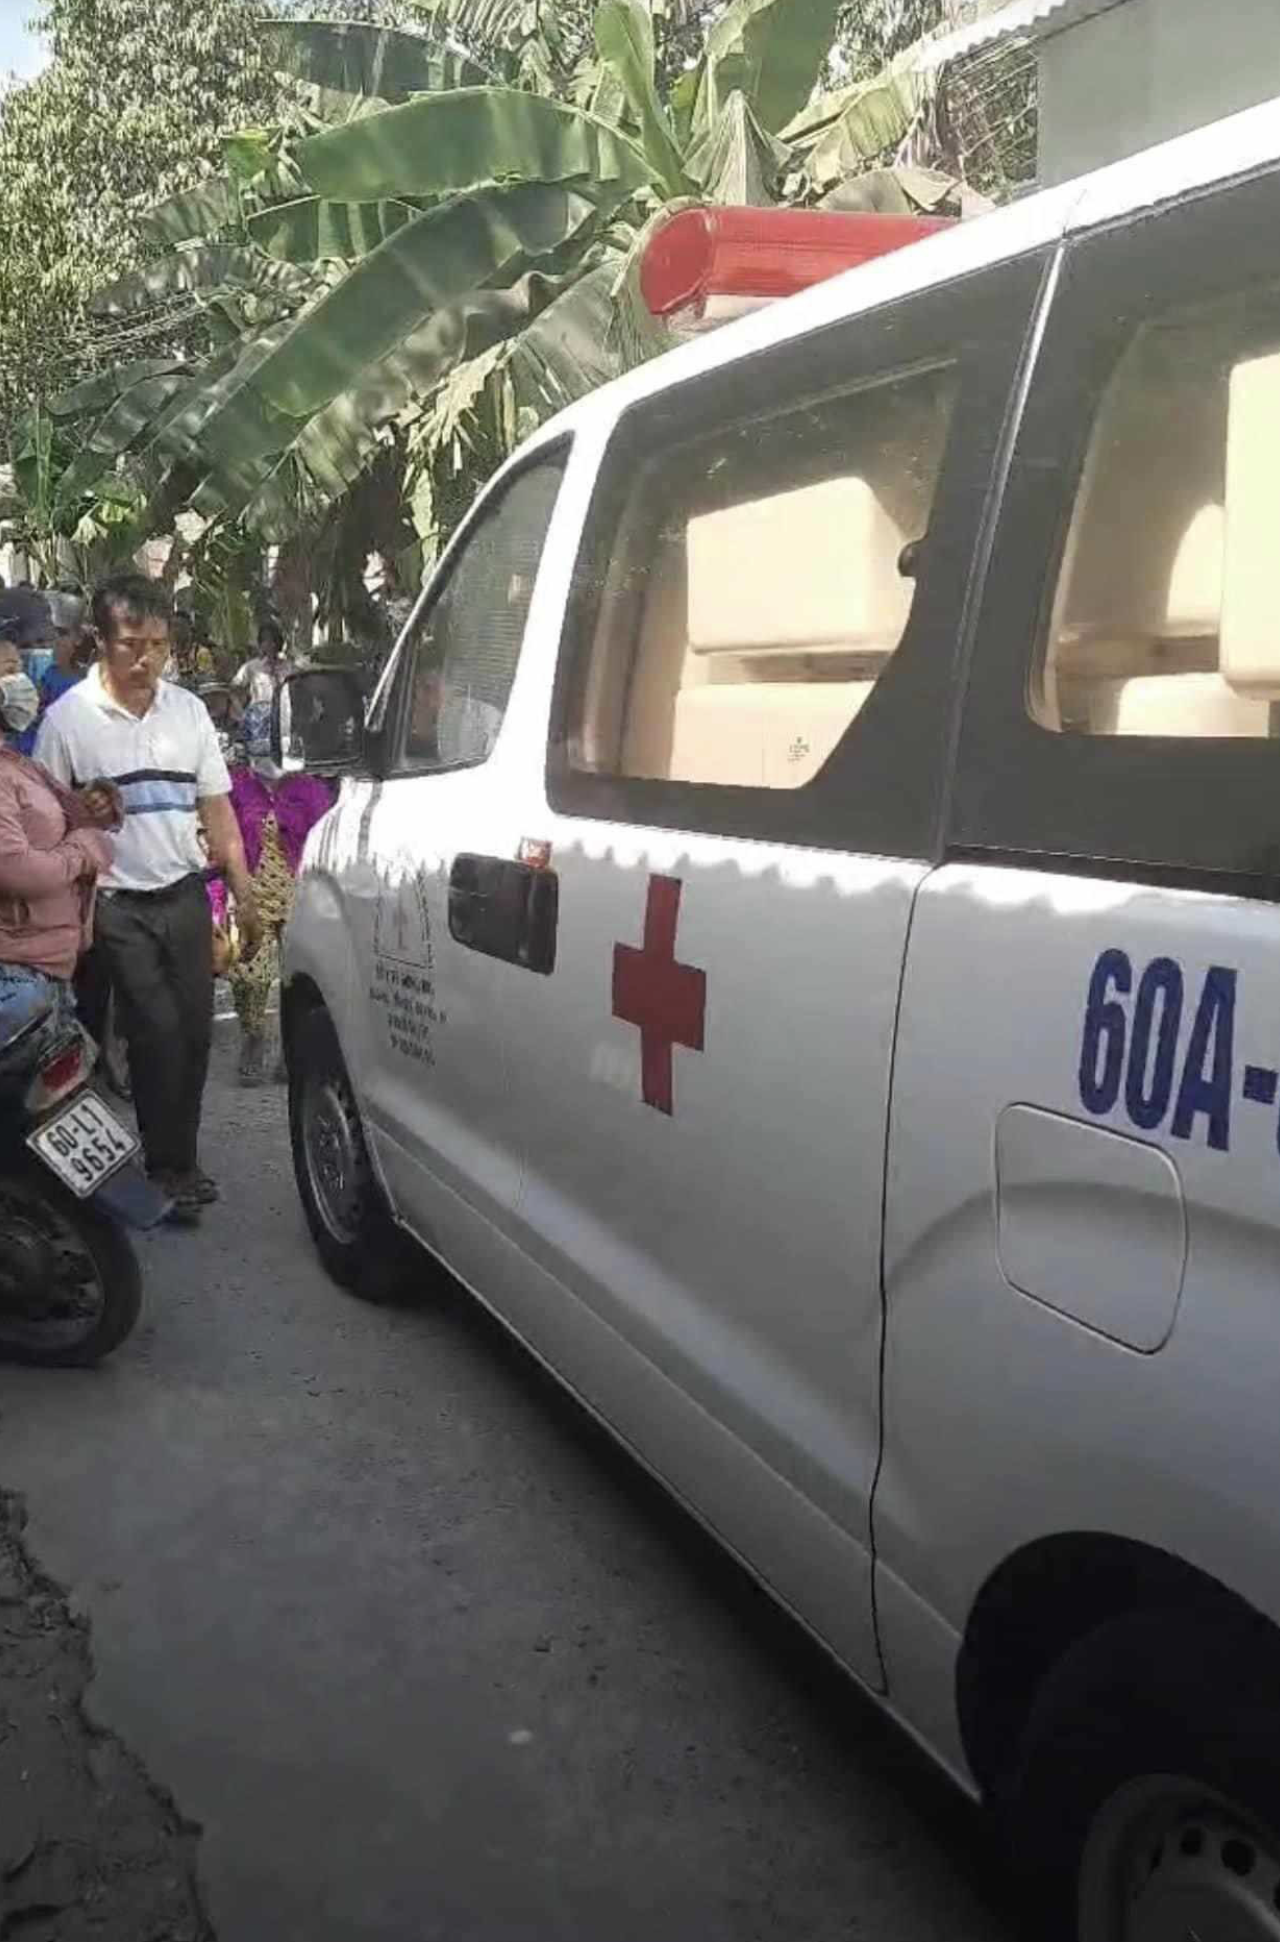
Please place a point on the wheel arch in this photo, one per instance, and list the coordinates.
(300, 996)
(1043, 1600)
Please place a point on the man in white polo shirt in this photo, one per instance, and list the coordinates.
(156, 742)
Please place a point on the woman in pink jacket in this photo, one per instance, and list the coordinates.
(52, 847)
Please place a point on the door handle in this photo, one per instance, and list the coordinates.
(505, 910)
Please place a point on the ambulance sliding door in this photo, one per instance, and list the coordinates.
(1083, 1217)
(749, 733)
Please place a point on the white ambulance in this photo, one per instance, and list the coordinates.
(799, 937)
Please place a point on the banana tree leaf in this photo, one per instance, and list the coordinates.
(481, 23)
(519, 37)
(459, 400)
(199, 273)
(738, 163)
(100, 392)
(33, 464)
(604, 98)
(682, 101)
(331, 449)
(248, 153)
(421, 502)
(635, 334)
(347, 62)
(595, 87)
(431, 265)
(868, 128)
(772, 50)
(844, 132)
(450, 144)
(537, 70)
(181, 439)
(624, 41)
(201, 212)
(134, 413)
(314, 229)
(904, 192)
(140, 417)
(567, 350)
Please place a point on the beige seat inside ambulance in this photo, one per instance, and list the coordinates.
(1139, 650)
(1194, 702)
(763, 636)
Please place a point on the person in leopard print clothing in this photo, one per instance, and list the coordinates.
(276, 813)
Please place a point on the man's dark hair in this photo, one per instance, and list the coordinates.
(272, 630)
(24, 616)
(133, 595)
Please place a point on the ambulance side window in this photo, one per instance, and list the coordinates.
(1124, 675)
(1166, 620)
(760, 582)
(464, 658)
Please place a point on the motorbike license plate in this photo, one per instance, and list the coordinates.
(83, 1144)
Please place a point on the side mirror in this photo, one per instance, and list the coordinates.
(317, 722)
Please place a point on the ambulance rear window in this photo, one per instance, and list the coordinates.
(761, 581)
(1165, 621)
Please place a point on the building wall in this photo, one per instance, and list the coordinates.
(1147, 70)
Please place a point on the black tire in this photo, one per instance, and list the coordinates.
(1146, 1798)
(98, 1247)
(356, 1238)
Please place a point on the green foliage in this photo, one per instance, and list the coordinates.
(470, 138)
(342, 67)
(771, 51)
(625, 40)
(431, 248)
(131, 109)
(870, 34)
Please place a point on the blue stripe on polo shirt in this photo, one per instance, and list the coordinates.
(149, 793)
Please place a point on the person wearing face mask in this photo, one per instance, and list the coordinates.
(53, 846)
(19, 699)
(26, 624)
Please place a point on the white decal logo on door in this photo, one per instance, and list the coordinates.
(403, 992)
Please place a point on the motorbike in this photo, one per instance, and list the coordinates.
(70, 1186)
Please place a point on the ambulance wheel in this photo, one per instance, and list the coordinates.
(1147, 1805)
(355, 1236)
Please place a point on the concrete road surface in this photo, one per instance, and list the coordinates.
(421, 1653)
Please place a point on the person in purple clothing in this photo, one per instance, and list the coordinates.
(276, 813)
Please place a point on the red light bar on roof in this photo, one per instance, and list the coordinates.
(706, 264)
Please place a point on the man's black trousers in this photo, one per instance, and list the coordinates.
(157, 951)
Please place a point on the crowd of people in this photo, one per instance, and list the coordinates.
(141, 850)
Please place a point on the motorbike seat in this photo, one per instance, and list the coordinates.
(21, 1025)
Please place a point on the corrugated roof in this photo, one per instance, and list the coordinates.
(1031, 19)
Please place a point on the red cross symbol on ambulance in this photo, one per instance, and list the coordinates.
(666, 1000)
